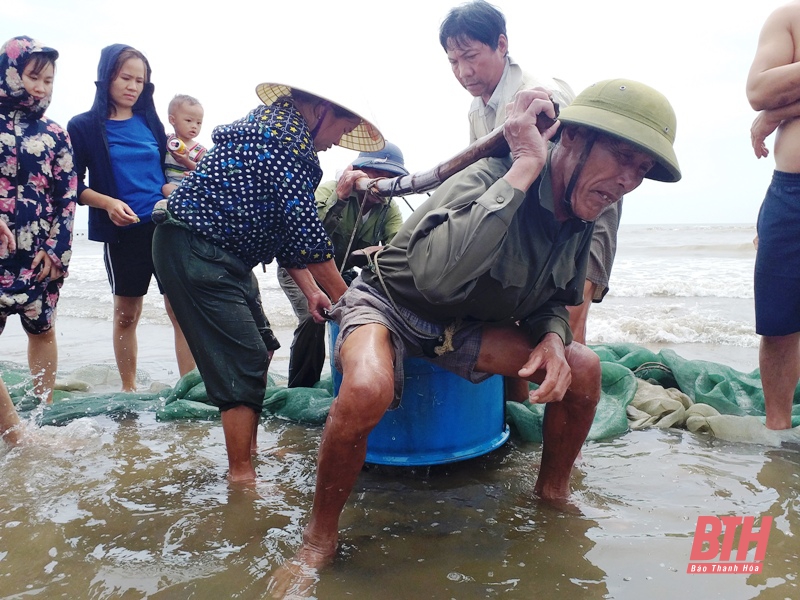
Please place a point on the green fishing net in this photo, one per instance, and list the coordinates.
(640, 388)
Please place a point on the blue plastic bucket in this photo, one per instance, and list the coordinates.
(442, 418)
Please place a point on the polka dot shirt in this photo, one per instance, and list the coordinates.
(252, 194)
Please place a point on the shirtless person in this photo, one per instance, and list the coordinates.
(772, 89)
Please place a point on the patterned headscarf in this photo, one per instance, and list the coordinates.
(14, 55)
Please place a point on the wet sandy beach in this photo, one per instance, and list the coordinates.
(129, 507)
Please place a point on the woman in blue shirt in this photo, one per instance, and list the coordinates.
(121, 143)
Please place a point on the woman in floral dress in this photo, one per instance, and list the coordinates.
(37, 205)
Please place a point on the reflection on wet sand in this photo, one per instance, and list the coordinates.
(133, 508)
(780, 474)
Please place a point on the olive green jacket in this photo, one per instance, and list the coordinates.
(380, 226)
(481, 250)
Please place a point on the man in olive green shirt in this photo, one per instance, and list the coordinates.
(354, 221)
(477, 282)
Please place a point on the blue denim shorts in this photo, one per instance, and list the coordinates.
(777, 271)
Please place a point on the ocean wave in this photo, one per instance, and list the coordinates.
(701, 276)
(659, 263)
(680, 289)
(742, 250)
(93, 300)
(667, 323)
(688, 240)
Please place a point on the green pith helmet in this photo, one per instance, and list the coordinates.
(633, 112)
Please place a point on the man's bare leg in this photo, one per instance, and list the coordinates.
(127, 311)
(515, 389)
(43, 363)
(183, 353)
(254, 439)
(567, 423)
(579, 315)
(9, 419)
(779, 360)
(239, 426)
(366, 392)
(505, 350)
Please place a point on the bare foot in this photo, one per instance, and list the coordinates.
(562, 505)
(254, 489)
(242, 479)
(296, 578)
(14, 436)
(550, 493)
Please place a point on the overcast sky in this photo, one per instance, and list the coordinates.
(386, 56)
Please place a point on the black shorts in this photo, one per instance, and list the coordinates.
(129, 262)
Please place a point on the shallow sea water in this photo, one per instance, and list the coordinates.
(133, 508)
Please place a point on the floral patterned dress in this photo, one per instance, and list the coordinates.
(38, 186)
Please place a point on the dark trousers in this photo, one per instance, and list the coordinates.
(217, 302)
(307, 354)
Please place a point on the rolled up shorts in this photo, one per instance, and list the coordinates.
(777, 270)
(38, 315)
(362, 304)
(217, 302)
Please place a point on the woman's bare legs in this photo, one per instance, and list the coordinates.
(182, 352)
(43, 362)
(9, 419)
(127, 311)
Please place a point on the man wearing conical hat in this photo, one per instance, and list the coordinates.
(477, 281)
(250, 201)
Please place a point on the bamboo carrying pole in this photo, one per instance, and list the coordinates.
(491, 145)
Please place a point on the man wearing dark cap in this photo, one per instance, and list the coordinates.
(354, 220)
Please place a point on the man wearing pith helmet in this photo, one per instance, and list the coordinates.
(478, 278)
